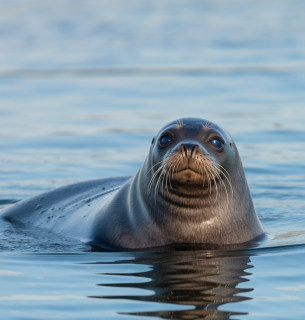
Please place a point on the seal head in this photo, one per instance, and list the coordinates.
(190, 189)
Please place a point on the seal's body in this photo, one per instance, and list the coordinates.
(191, 188)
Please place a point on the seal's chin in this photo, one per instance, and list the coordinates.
(188, 176)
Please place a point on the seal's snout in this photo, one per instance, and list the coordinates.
(189, 149)
(190, 164)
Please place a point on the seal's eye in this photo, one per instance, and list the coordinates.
(166, 139)
(215, 142)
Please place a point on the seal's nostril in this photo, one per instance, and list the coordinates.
(194, 150)
(185, 150)
(189, 149)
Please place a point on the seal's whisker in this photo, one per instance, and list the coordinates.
(202, 174)
(168, 166)
(225, 187)
(168, 181)
(155, 195)
(180, 122)
(227, 178)
(205, 164)
(208, 173)
(164, 179)
(213, 176)
(177, 164)
(210, 180)
(172, 168)
(168, 174)
(161, 178)
(214, 171)
(222, 168)
(205, 175)
(207, 125)
(153, 178)
(163, 174)
(165, 187)
(217, 172)
(158, 168)
(155, 165)
(157, 184)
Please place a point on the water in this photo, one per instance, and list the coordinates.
(177, 285)
(66, 117)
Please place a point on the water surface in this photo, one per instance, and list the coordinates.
(79, 100)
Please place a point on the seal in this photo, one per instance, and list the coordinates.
(190, 189)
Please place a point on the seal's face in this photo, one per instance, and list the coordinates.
(191, 154)
(191, 188)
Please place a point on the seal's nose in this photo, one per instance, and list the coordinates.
(189, 149)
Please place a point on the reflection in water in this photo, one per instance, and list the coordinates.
(202, 280)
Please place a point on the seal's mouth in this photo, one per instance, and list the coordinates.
(191, 166)
(188, 176)
(187, 170)
(200, 169)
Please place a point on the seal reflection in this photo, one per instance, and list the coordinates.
(203, 280)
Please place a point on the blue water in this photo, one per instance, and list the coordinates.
(66, 117)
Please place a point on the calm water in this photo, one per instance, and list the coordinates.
(66, 117)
